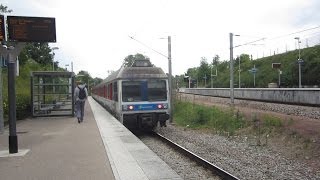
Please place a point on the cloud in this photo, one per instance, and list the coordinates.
(307, 14)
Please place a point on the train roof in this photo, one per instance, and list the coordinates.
(137, 73)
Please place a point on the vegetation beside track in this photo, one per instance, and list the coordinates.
(217, 120)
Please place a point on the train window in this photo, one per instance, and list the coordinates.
(131, 91)
(115, 91)
(150, 90)
(157, 90)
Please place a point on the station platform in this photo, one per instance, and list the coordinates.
(61, 148)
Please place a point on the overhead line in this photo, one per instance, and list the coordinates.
(131, 37)
(250, 42)
(278, 36)
(295, 32)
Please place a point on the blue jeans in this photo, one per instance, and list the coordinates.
(80, 109)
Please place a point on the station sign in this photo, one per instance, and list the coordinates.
(2, 30)
(276, 65)
(253, 70)
(31, 29)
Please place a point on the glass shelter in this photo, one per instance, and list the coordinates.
(52, 93)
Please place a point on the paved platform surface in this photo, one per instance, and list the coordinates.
(59, 148)
(129, 157)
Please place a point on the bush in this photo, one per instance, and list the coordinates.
(271, 121)
(23, 105)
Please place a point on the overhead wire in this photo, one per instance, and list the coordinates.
(131, 37)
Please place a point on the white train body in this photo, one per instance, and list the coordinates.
(138, 96)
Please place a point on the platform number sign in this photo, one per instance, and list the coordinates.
(2, 30)
(31, 29)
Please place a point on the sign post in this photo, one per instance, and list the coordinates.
(254, 71)
(20, 30)
(277, 66)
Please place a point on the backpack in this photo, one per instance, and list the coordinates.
(82, 93)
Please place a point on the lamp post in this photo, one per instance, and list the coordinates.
(239, 72)
(54, 48)
(254, 71)
(231, 68)
(212, 75)
(300, 61)
(170, 76)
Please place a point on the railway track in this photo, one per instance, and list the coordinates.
(202, 162)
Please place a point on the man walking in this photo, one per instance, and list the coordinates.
(80, 96)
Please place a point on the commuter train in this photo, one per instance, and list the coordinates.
(138, 96)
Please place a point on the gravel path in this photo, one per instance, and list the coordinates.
(238, 156)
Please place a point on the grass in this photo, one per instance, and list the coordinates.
(271, 121)
(197, 116)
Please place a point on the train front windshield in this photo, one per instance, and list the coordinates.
(149, 90)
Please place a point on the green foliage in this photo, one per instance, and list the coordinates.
(23, 105)
(40, 52)
(23, 94)
(4, 9)
(196, 116)
(271, 121)
(265, 74)
(128, 61)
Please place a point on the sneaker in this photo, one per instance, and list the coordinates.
(78, 120)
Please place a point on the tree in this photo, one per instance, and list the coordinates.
(215, 60)
(128, 61)
(4, 9)
(40, 52)
(204, 71)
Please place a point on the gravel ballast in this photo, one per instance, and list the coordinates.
(238, 156)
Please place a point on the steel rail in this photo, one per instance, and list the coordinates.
(204, 163)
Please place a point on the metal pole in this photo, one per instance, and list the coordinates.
(299, 62)
(170, 77)
(231, 69)
(71, 66)
(13, 139)
(205, 81)
(13, 52)
(254, 77)
(1, 101)
(211, 75)
(239, 72)
(279, 77)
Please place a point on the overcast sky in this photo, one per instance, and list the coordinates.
(94, 34)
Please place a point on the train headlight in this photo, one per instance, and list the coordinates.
(162, 106)
(127, 107)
